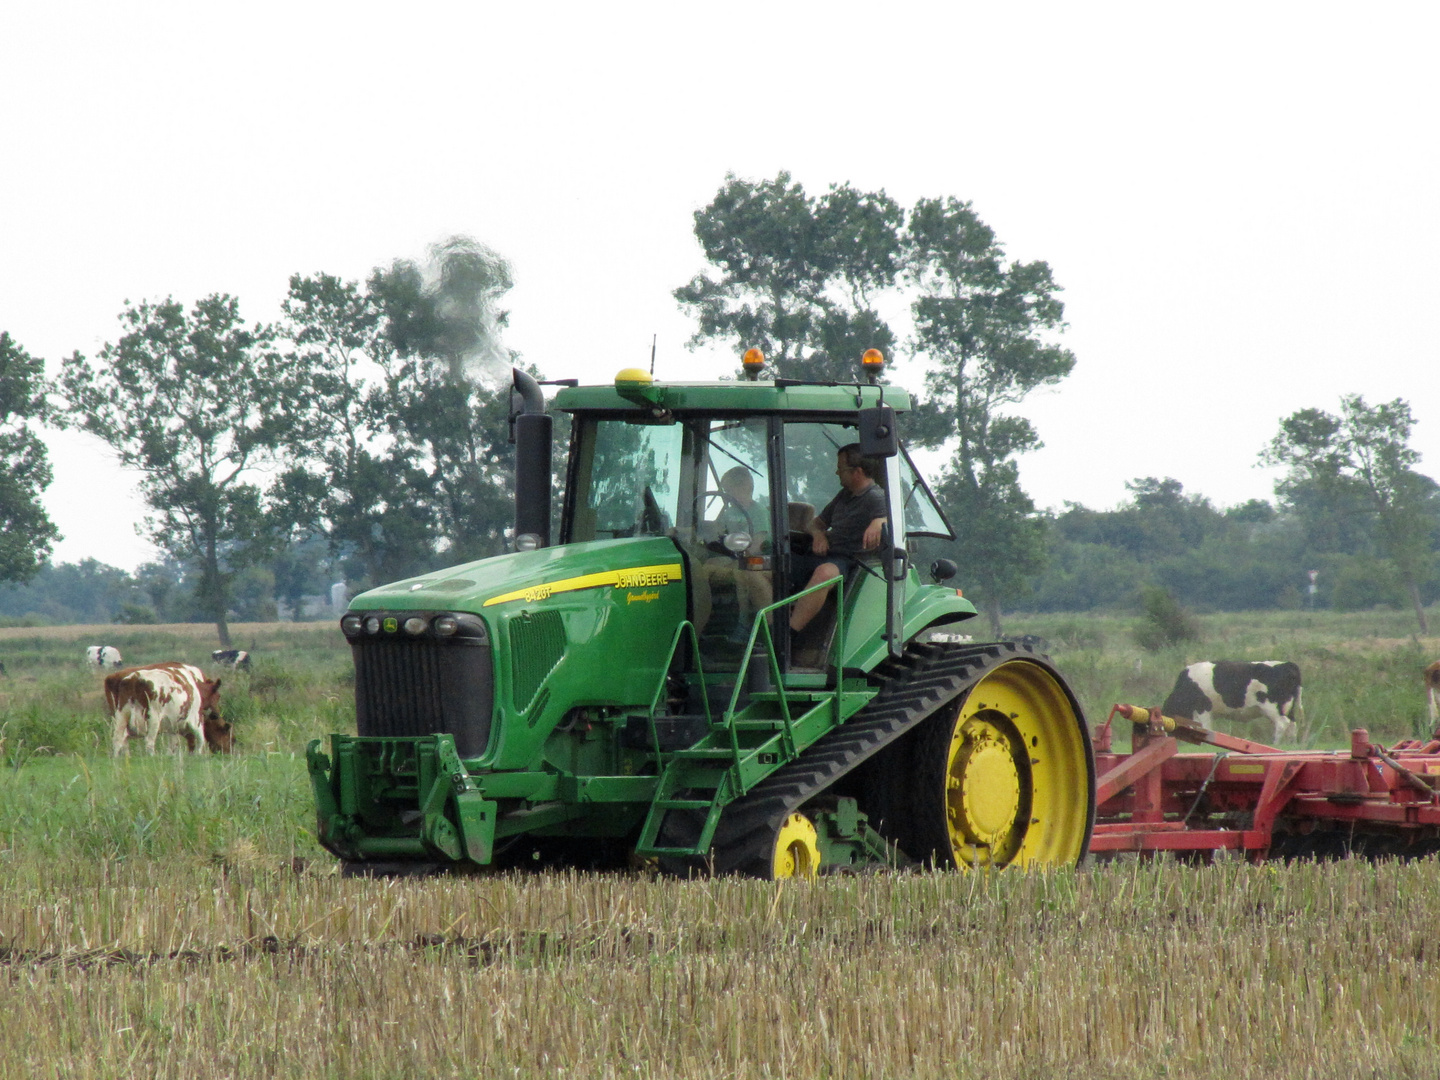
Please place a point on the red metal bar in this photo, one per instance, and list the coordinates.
(1203, 736)
(1133, 766)
(1278, 790)
(1150, 838)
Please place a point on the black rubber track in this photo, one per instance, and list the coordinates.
(922, 682)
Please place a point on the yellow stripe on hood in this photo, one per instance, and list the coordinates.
(633, 577)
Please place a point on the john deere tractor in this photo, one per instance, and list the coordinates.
(633, 691)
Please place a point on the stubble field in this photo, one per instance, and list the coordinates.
(174, 917)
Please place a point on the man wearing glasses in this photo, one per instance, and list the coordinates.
(849, 524)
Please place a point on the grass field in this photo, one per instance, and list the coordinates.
(172, 916)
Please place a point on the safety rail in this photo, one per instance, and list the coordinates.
(837, 651)
(761, 624)
(698, 789)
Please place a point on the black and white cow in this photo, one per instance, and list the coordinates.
(1238, 689)
(238, 659)
(104, 658)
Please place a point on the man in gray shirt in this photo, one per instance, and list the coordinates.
(847, 526)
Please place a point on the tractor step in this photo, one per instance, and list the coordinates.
(769, 743)
(704, 813)
(778, 724)
(706, 753)
(792, 695)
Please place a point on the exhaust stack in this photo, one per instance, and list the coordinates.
(532, 463)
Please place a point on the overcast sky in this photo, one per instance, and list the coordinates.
(1238, 199)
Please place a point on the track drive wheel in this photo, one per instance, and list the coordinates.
(1002, 777)
(797, 849)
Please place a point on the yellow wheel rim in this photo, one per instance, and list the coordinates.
(1017, 775)
(797, 849)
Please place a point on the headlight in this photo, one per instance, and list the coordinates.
(737, 541)
(446, 625)
(372, 624)
(527, 542)
(350, 625)
(414, 626)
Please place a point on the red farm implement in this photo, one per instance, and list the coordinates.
(1258, 800)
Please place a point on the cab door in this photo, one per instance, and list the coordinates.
(732, 546)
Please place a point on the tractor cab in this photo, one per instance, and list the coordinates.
(734, 474)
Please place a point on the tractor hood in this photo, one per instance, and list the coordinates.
(529, 576)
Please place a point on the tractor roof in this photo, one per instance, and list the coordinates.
(780, 395)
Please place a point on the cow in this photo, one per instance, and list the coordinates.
(170, 699)
(104, 657)
(238, 659)
(1240, 690)
(1432, 689)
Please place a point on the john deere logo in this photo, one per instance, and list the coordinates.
(391, 625)
(642, 576)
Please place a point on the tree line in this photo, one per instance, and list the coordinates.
(364, 434)
(1256, 555)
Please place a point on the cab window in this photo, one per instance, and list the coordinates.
(921, 513)
(630, 480)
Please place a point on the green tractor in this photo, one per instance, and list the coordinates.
(645, 690)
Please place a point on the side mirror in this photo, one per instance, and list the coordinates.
(878, 437)
(943, 570)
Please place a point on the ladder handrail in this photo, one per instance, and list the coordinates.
(837, 651)
(650, 832)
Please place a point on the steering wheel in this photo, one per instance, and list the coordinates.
(726, 502)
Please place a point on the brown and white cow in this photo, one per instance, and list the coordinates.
(1432, 689)
(1238, 689)
(166, 699)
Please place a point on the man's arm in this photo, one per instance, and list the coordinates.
(876, 504)
(871, 539)
(819, 538)
(819, 528)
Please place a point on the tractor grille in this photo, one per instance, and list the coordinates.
(537, 645)
(426, 686)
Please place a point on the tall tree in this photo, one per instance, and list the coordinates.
(398, 399)
(447, 391)
(26, 531)
(1363, 457)
(794, 275)
(984, 326)
(347, 480)
(192, 401)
